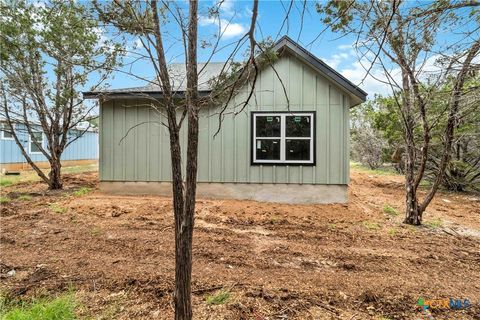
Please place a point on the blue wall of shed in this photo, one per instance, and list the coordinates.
(84, 148)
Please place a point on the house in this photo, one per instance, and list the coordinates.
(269, 152)
(82, 151)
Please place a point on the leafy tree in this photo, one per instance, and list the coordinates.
(49, 51)
(463, 169)
(403, 35)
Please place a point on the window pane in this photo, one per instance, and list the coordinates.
(34, 148)
(4, 128)
(267, 126)
(298, 149)
(7, 135)
(267, 149)
(37, 136)
(298, 126)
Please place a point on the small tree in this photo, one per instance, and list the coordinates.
(146, 20)
(397, 35)
(57, 40)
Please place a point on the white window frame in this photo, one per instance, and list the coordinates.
(3, 132)
(30, 143)
(283, 138)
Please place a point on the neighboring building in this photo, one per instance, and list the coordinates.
(266, 153)
(82, 151)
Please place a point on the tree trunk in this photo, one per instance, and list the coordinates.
(183, 270)
(413, 215)
(182, 243)
(55, 178)
(184, 239)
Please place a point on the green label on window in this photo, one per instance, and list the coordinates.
(298, 119)
(269, 119)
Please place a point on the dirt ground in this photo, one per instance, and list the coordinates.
(277, 261)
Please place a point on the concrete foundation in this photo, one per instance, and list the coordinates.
(281, 193)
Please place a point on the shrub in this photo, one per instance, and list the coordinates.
(371, 225)
(82, 191)
(220, 297)
(4, 200)
(367, 146)
(55, 207)
(390, 210)
(460, 176)
(60, 308)
(5, 183)
(24, 197)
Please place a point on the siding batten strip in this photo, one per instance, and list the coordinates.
(315, 101)
(135, 145)
(327, 136)
(112, 144)
(100, 144)
(342, 177)
(148, 143)
(235, 143)
(209, 146)
(124, 120)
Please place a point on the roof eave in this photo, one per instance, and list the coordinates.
(107, 95)
(357, 94)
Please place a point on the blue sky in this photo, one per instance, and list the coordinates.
(235, 15)
(235, 20)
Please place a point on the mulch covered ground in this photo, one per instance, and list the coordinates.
(276, 261)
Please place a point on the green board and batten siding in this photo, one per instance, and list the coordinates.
(143, 154)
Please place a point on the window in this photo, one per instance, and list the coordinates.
(6, 134)
(37, 137)
(283, 138)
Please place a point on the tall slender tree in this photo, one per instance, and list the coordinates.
(146, 20)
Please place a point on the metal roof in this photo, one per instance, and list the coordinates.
(177, 72)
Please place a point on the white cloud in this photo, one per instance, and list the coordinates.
(346, 61)
(228, 29)
(374, 82)
(249, 12)
(233, 29)
(227, 7)
(138, 43)
(346, 46)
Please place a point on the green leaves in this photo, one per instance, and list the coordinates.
(49, 50)
(57, 31)
(131, 16)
